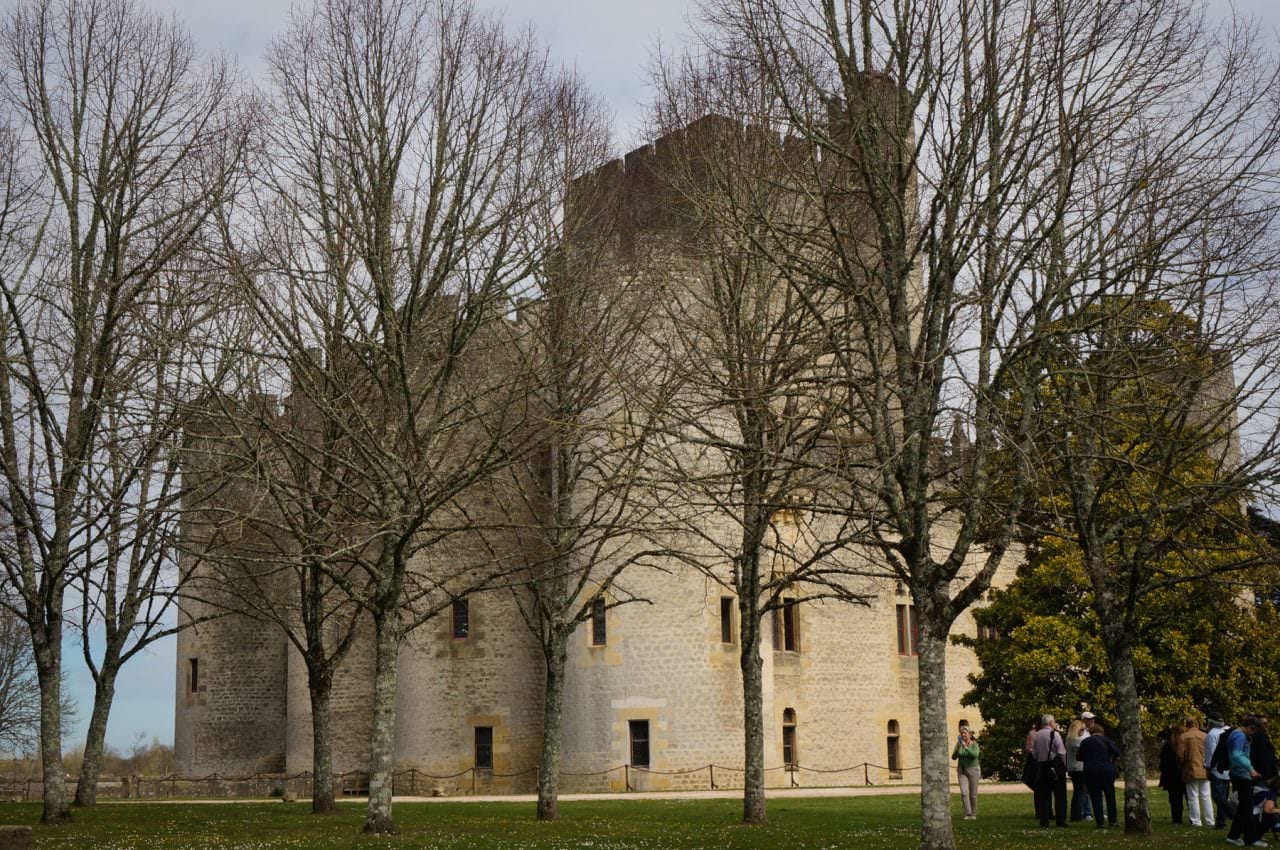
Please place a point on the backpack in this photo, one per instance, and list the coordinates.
(1221, 760)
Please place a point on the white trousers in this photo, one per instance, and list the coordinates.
(1199, 802)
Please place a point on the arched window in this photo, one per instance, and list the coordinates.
(790, 755)
(895, 756)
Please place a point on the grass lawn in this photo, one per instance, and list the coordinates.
(815, 823)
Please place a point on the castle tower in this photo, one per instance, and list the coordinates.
(654, 686)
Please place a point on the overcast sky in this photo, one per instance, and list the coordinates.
(609, 42)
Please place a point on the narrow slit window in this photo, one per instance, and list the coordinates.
(599, 625)
(484, 748)
(789, 756)
(786, 624)
(461, 619)
(195, 675)
(908, 631)
(893, 752)
(726, 619)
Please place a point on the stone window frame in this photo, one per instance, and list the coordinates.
(460, 619)
(639, 750)
(790, 741)
(483, 747)
(908, 629)
(786, 626)
(893, 749)
(727, 632)
(599, 622)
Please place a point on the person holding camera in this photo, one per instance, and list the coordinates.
(967, 771)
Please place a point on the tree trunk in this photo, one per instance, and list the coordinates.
(95, 740)
(382, 742)
(935, 767)
(1137, 815)
(552, 716)
(322, 802)
(49, 672)
(753, 801)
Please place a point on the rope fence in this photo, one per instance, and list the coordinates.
(413, 782)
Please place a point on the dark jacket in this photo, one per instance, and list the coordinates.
(1170, 769)
(1262, 754)
(1098, 753)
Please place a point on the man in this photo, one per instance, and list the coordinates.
(1050, 753)
(1195, 778)
(1219, 781)
(1261, 753)
(1242, 775)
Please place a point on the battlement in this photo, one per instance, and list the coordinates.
(654, 188)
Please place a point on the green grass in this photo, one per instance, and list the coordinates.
(873, 823)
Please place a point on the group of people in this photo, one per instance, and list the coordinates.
(1223, 774)
(1082, 754)
(1239, 783)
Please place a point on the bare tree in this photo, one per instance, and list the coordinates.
(747, 427)
(1152, 420)
(404, 143)
(127, 144)
(270, 526)
(922, 135)
(951, 144)
(578, 502)
(19, 690)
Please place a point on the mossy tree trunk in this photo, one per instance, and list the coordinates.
(552, 727)
(752, 665)
(935, 788)
(753, 794)
(96, 737)
(48, 654)
(321, 690)
(378, 819)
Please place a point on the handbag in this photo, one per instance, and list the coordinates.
(1029, 771)
(1057, 764)
(1055, 769)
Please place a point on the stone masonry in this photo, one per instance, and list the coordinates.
(844, 686)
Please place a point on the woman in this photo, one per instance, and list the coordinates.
(1098, 754)
(967, 771)
(1171, 770)
(1080, 808)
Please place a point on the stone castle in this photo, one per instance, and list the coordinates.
(655, 687)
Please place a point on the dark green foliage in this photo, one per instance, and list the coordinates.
(1136, 526)
(1200, 649)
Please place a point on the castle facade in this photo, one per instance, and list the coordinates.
(653, 689)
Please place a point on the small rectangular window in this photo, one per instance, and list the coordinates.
(726, 619)
(461, 619)
(599, 627)
(639, 742)
(484, 748)
(786, 636)
(908, 631)
(195, 675)
(789, 745)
